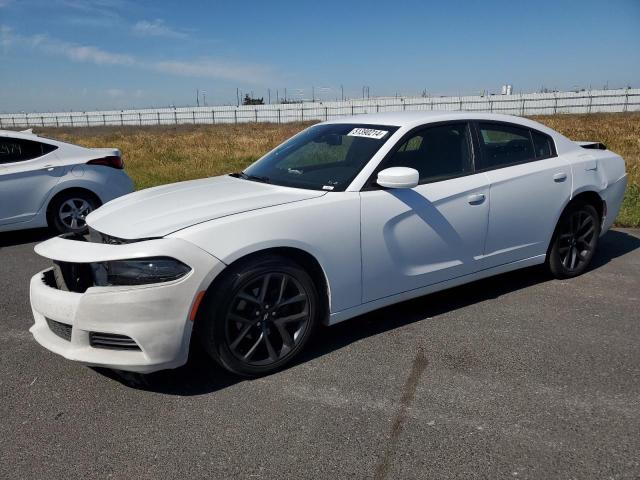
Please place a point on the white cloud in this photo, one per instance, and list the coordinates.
(87, 53)
(119, 93)
(156, 28)
(115, 92)
(6, 37)
(74, 52)
(94, 7)
(204, 68)
(252, 73)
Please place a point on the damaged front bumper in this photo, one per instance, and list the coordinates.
(141, 328)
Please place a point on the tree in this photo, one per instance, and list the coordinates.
(252, 101)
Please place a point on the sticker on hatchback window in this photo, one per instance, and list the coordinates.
(367, 133)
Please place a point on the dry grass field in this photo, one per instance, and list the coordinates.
(620, 132)
(158, 155)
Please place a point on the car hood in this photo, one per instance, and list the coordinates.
(159, 211)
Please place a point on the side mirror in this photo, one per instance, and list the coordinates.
(398, 177)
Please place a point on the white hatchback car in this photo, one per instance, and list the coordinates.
(345, 217)
(47, 182)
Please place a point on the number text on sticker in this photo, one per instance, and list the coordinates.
(367, 133)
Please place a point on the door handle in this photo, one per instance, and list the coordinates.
(476, 199)
(560, 177)
(48, 168)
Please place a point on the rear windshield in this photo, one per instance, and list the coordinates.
(323, 157)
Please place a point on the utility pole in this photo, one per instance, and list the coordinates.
(237, 97)
(285, 95)
(204, 98)
(342, 91)
(277, 96)
(269, 94)
(313, 94)
(197, 97)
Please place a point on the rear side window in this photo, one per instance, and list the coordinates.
(542, 145)
(18, 149)
(436, 152)
(504, 145)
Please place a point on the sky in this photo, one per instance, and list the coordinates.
(60, 55)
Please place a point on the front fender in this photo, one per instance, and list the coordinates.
(327, 228)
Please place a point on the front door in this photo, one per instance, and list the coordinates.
(436, 231)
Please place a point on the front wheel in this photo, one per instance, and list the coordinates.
(574, 242)
(260, 316)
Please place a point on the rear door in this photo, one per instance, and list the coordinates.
(415, 237)
(530, 185)
(29, 171)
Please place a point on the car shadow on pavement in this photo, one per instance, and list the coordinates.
(202, 376)
(20, 237)
(199, 376)
(612, 245)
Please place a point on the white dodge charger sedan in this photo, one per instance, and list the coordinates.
(343, 218)
(45, 182)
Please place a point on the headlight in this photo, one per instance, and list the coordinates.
(139, 271)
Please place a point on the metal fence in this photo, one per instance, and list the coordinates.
(621, 100)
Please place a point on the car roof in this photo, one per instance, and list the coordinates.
(29, 135)
(408, 120)
(26, 134)
(69, 148)
(413, 118)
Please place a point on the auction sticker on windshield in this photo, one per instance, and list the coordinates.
(367, 133)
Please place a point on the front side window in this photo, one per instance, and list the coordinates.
(437, 153)
(18, 149)
(323, 157)
(504, 145)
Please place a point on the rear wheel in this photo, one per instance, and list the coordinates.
(260, 316)
(574, 242)
(68, 211)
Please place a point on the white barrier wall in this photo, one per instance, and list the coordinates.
(621, 100)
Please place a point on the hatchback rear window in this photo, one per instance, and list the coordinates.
(19, 149)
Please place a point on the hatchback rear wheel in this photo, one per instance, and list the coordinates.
(68, 211)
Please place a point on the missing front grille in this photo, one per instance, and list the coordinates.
(73, 277)
(49, 279)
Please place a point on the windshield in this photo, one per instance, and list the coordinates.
(323, 157)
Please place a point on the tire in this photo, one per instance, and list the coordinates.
(574, 241)
(68, 210)
(252, 333)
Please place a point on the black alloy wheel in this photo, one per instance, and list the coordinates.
(575, 241)
(260, 315)
(266, 318)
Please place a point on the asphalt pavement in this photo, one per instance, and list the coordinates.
(518, 376)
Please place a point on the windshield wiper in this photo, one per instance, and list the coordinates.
(255, 178)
